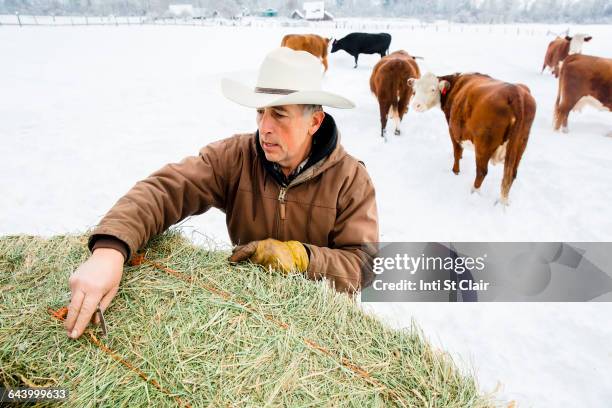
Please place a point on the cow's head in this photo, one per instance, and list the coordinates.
(576, 43)
(426, 91)
(335, 46)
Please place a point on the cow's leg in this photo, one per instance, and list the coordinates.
(356, 58)
(396, 119)
(563, 106)
(483, 155)
(324, 61)
(384, 111)
(401, 110)
(458, 153)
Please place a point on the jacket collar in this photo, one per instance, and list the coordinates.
(325, 144)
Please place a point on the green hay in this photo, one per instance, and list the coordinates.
(207, 350)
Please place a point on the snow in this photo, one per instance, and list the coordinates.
(85, 112)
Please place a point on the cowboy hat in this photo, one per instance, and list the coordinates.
(286, 77)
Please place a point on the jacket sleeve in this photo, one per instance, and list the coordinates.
(347, 263)
(167, 196)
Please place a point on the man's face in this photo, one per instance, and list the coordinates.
(285, 133)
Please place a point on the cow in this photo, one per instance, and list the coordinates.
(492, 116)
(389, 83)
(312, 43)
(584, 80)
(363, 43)
(560, 48)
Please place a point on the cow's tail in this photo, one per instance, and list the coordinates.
(404, 91)
(557, 115)
(518, 136)
(397, 87)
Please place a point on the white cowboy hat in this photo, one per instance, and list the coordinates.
(286, 77)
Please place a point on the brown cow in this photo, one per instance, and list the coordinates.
(389, 82)
(560, 48)
(584, 80)
(312, 43)
(494, 117)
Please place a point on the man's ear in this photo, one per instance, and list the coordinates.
(411, 81)
(316, 121)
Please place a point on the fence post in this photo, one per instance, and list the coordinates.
(18, 19)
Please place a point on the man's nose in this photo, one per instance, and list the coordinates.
(265, 122)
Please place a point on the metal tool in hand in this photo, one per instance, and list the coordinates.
(101, 319)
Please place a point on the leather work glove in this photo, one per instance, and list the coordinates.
(285, 256)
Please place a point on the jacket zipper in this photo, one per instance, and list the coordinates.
(281, 200)
(281, 212)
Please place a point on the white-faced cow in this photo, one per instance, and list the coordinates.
(389, 82)
(560, 48)
(363, 43)
(584, 80)
(494, 117)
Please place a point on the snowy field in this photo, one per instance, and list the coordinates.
(85, 112)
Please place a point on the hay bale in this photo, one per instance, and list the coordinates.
(209, 350)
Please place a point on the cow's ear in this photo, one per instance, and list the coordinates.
(444, 86)
(587, 38)
(568, 38)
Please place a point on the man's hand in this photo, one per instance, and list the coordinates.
(95, 282)
(284, 256)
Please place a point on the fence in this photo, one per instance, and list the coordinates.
(338, 24)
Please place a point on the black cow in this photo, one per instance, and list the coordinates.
(363, 43)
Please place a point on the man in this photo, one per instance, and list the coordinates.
(294, 199)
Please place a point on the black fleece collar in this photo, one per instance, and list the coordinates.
(323, 143)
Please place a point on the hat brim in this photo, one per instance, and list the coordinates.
(246, 96)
